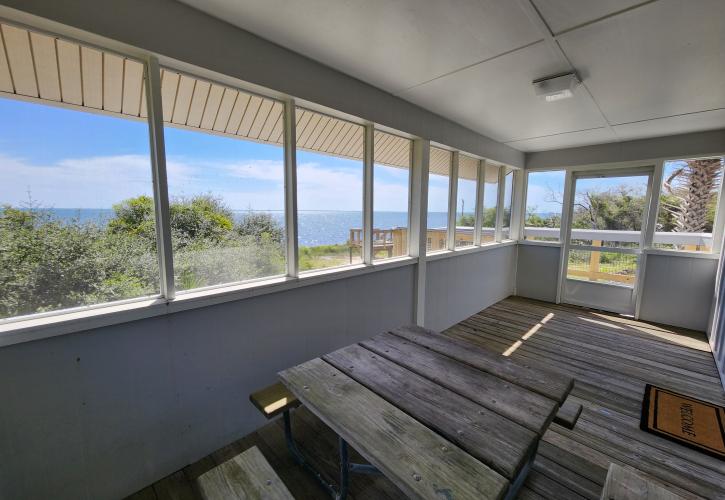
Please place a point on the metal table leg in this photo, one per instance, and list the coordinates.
(346, 467)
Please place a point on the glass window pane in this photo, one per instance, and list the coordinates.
(226, 192)
(466, 200)
(490, 202)
(77, 224)
(507, 196)
(438, 187)
(688, 204)
(391, 180)
(544, 199)
(329, 191)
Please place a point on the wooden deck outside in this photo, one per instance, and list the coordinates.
(612, 359)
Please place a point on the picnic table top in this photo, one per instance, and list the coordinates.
(436, 415)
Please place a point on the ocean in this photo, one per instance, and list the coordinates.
(315, 227)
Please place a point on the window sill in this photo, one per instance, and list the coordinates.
(65, 322)
(444, 254)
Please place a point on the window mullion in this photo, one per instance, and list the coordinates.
(453, 200)
(368, 167)
(500, 196)
(480, 191)
(160, 182)
(290, 188)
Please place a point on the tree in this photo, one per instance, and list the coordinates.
(259, 225)
(692, 192)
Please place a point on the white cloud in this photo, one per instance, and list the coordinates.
(100, 181)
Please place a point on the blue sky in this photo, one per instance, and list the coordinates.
(72, 159)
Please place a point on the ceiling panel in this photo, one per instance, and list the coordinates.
(671, 125)
(496, 98)
(562, 15)
(569, 140)
(392, 45)
(665, 58)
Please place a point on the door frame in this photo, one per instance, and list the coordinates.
(653, 171)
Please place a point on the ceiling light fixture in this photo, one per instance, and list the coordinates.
(557, 87)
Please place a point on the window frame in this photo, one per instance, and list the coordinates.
(52, 323)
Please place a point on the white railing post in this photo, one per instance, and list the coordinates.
(480, 190)
(453, 201)
(368, 172)
(160, 181)
(418, 233)
(290, 188)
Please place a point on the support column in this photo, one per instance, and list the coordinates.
(418, 228)
(368, 172)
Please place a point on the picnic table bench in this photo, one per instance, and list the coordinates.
(440, 417)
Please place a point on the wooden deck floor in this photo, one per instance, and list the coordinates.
(612, 358)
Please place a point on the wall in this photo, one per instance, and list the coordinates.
(102, 413)
(174, 30)
(537, 272)
(675, 146)
(678, 291)
(460, 286)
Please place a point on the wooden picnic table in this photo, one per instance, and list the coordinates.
(439, 417)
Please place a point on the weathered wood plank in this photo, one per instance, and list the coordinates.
(523, 406)
(273, 400)
(568, 414)
(552, 385)
(623, 483)
(422, 463)
(248, 476)
(495, 440)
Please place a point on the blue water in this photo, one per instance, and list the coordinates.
(314, 227)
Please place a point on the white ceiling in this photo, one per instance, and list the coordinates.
(649, 68)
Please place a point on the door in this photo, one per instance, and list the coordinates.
(602, 254)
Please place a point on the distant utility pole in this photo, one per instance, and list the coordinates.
(463, 207)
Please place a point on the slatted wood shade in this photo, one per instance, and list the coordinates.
(467, 167)
(54, 70)
(440, 161)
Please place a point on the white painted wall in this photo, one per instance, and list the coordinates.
(675, 146)
(717, 327)
(460, 286)
(99, 414)
(537, 272)
(678, 291)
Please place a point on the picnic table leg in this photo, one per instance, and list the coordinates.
(345, 465)
(517, 483)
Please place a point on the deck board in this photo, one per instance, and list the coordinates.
(571, 463)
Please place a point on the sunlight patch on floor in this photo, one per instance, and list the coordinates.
(528, 334)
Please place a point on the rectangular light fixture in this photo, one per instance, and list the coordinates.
(557, 87)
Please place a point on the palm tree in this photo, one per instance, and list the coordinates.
(693, 188)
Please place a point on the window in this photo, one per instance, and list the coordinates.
(544, 199)
(490, 204)
(438, 188)
(77, 224)
(466, 200)
(391, 179)
(329, 191)
(225, 169)
(688, 204)
(507, 197)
